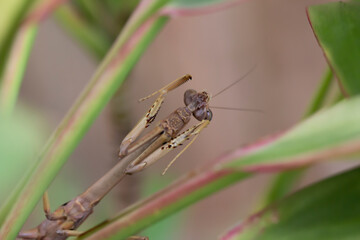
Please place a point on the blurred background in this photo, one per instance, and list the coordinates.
(216, 49)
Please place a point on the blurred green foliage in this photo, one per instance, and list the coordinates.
(22, 136)
(326, 210)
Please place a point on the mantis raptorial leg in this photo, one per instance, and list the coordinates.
(150, 116)
(167, 130)
(165, 136)
(145, 161)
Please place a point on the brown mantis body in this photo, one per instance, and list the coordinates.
(135, 155)
(165, 136)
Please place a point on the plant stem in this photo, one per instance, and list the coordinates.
(321, 93)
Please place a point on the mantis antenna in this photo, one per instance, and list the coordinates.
(232, 84)
(239, 109)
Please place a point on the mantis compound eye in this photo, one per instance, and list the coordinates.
(189, 96)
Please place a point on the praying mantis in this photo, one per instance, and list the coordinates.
(135, 155)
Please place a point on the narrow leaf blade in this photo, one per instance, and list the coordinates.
(196, 7)
(329, 134)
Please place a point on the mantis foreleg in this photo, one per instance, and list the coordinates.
(138, 166)
(150, 116)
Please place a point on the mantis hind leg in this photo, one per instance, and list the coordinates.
(52, 216)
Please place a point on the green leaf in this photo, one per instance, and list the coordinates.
(331, 133)
(326, 210)
(11, 14)
(15, 67)
(20, 139)
(337, 28)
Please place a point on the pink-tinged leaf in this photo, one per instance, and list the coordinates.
(177, 8)
(12, 12)
(326, 210)
(43, 10)
(19, 54)
(329, 134)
